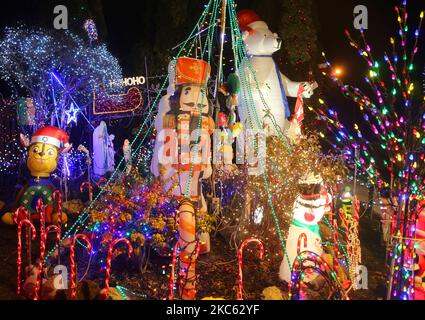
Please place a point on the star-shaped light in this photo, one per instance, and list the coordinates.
(71, 114)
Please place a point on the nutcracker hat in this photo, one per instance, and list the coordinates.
(245, 18)
(51, 135)
(190, 70)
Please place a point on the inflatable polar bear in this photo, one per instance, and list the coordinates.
(260, 44)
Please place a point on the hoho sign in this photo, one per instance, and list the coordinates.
(131, 81)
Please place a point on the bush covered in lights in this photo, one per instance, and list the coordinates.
(30, 57)
(141, 211)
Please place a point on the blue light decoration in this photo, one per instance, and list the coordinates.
(72, 114)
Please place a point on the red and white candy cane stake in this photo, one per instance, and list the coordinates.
(299, 107)
(41, 210)
(19, 259)
(89, 188)
(20, 214)
(240, 262)
(104, 182)
(43, 239)
(302, 237)
(109, 260)
(72, 262)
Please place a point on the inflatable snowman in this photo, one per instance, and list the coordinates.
(268, 85)
(309, 208)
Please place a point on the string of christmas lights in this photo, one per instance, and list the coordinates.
(390, 141)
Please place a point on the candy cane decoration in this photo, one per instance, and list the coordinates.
(299, 107)
(43, 239)
(103, 181)
(19, 259)
(72, 262)
(41, 210)
(89, 187)
(240, 262)
(109, 260)
(20, 214)
(302, 237)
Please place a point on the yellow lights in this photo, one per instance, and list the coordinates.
(372, 74)
(399, 157)
(321, 101)
(421, 15)
(392, 40)
(411, 88)
(338, 71)
(356, 126)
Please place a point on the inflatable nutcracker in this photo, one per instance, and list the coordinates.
(184, 156)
